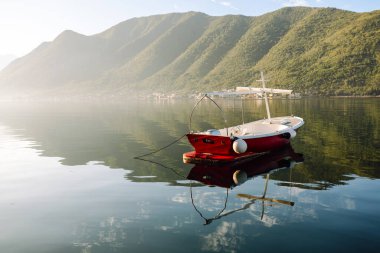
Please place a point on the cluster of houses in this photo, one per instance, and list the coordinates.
(239, 92)
(252, 92)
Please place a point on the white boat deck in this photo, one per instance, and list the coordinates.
(260, 128)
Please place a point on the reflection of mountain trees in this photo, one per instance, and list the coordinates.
(340, 137)
(110, 133)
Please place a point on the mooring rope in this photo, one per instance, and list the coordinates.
(162, 165)
(158, 150)
(208, 220)
(191, 115)
(220, 109)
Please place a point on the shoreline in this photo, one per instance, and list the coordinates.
(356, 96)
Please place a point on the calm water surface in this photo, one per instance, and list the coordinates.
(69, 183)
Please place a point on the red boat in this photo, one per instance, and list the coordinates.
(241, 141)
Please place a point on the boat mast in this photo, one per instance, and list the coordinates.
(265, 95)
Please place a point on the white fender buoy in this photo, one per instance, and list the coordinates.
(292, 164)
(239, 146)
(239, 177)
(292, 133)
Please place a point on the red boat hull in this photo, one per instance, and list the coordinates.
(213, 148)
(220, 147)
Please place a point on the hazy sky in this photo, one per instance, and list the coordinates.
(24, 24)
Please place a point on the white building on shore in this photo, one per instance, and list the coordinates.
(253, 92)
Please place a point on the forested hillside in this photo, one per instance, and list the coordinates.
(319, 51)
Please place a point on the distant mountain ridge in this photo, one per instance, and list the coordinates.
(310, 50)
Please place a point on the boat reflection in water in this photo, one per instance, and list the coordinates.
(230, 175)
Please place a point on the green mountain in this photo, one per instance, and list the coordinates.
(310, 50)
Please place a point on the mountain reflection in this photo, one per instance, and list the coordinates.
(339, 140)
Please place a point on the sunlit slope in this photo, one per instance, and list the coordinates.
(328, 52)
